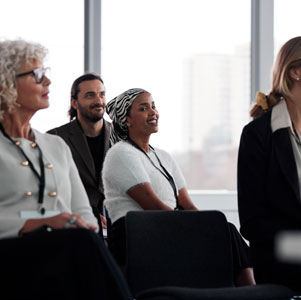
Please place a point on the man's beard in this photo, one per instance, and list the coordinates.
(89, 116)
(94, 119)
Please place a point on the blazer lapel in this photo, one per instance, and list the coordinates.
(79, 142)
(107, 132)
(285, 155)
(106, 146)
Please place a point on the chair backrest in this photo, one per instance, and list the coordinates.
(39, 262)
(178, 248)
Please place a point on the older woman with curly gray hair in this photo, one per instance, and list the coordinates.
(41, 190)
(52, 190)
(14, 56)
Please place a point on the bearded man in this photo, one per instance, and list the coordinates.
(87, 134)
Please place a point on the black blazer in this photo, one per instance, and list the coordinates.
(268, 186)
(74, 136)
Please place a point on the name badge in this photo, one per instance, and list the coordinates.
(34, 214)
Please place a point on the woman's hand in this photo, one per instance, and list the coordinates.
(66, 220)
(63, 220)
(185, 200)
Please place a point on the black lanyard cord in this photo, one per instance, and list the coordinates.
(165, 173)
(41, 177)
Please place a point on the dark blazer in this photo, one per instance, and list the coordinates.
(268, 186)
(74, 136)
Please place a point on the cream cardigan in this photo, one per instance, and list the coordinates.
(64, 190)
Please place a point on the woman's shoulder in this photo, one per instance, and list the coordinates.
(161, 151)
(49, 140)
(260, 124)
(258, 129)
(121, 150)
(121, 160)
(120, 147)
(163, 154)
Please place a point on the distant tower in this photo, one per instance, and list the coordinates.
(216, 99)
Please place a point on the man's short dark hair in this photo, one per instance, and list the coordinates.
(75, 90)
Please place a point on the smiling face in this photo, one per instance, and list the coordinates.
(32, 96)
(143, 117)
(91, 101)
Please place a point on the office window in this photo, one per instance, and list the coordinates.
(194, 57)
(59, 26)
(286, 21)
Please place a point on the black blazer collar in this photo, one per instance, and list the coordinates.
(80, 144)
(285, 155)
(79, 141)
(107, 132)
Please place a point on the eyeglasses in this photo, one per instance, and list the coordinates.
(38, 73)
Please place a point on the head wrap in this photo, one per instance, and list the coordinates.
(117, 109)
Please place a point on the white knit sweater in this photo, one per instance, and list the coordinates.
(125, 167)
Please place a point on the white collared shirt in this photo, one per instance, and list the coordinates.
(280, 117)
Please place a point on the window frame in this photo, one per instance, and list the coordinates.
(262, 49)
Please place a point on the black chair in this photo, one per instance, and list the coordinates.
(28, 276)
(259, 292)
(55, 265)
(185, 255)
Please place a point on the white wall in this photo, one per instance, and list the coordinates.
(225, 201)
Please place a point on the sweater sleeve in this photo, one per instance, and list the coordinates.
(124, 168)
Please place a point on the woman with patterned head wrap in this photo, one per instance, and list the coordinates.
(133, 172)
(137, 176)
(118, 110)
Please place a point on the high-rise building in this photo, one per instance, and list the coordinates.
(217, 99)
